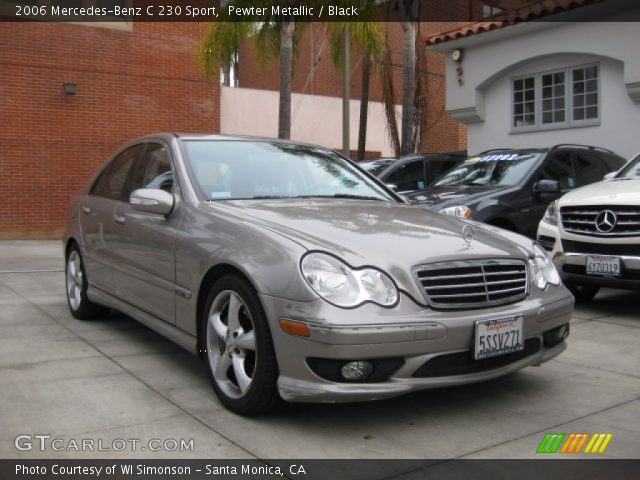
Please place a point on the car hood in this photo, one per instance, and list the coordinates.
(392, 237)
(435, 198)
(618, 191)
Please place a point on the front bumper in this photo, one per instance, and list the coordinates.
(411, 332)
(572, 265)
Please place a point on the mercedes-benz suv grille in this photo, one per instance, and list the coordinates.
(602, 221)
(473, 283)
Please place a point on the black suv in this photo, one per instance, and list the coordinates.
(511, 188)
(412, 172)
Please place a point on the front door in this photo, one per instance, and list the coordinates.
(144, 243)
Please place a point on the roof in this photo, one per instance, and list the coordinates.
(535, 10)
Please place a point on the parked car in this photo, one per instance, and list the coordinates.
(271, 260)
(593, 234)
(412, 172)
(511, 188)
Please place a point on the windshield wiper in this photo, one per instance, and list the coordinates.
(344, 195)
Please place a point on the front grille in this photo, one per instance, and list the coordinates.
(463, 363)
(467, 284)
(623, 249)
(621, 221)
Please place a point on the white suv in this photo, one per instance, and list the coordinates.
(593, 234)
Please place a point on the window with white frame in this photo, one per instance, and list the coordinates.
(568, 97)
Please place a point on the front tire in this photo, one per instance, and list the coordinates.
(76, 285)
(583, 293)
(238, 349)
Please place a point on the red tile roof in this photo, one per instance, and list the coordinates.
(533, 11)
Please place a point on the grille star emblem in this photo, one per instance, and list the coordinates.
(467, 234)
(606, 221)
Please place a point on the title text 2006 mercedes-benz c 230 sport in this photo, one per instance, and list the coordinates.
(296, 275)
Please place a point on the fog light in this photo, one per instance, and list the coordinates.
(556, 335)
(356, 370)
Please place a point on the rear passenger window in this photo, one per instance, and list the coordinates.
(112, 181)
(560, 169)
(589, 168)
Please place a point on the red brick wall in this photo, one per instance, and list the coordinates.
(129, 83)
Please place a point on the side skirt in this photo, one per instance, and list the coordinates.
(177, 336)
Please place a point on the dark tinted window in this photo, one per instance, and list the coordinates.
(113, 180)
(560, 169)
(409, 176)
(438, 168)
(154, 169)
(589, 168)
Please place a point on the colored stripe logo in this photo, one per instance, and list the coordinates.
(574, 443)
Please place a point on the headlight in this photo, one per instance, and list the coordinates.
(543, 271)
(460, 211)
(344, 286)
(550, 216)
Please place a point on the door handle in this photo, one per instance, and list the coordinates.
(119, 218)
(86, 210)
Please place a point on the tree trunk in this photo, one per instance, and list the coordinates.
(286, 68)
(364, 108)
(226, 74)
(408, 87)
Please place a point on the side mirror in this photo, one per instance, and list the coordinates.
(610, 175)
(392, 186)
(547, 186)
(152, 200)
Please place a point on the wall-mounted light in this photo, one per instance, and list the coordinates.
(69, 88)
(457, 56)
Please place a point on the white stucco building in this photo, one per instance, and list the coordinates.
(573, 77)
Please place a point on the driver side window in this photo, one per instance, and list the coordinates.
(154, 169)
(560, 169)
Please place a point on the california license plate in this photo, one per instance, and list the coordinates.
(603, 266)
(498, 337)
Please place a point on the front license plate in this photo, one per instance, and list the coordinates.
(603, 266)
(498, 337)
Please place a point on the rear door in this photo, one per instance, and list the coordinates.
(97, 215)
(589, 167)
(144, 243)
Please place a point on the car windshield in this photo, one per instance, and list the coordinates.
(631, 170)
(374, 167)
(492, 169)
(229, 169)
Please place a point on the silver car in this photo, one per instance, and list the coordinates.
(295, 275)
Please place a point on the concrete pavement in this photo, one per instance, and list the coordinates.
(114, 378)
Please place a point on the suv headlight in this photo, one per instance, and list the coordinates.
(550, 216)
(343, 286)
(543, 271)
(460, 211)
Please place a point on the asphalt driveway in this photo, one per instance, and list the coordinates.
(115, 378)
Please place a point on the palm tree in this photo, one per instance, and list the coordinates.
(409, 12)
(276, 36)
(366, 37)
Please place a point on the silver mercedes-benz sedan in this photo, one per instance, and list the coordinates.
(295, 275)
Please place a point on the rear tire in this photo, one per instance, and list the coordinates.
(583, 293)
(238, 349)
(76, 286)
